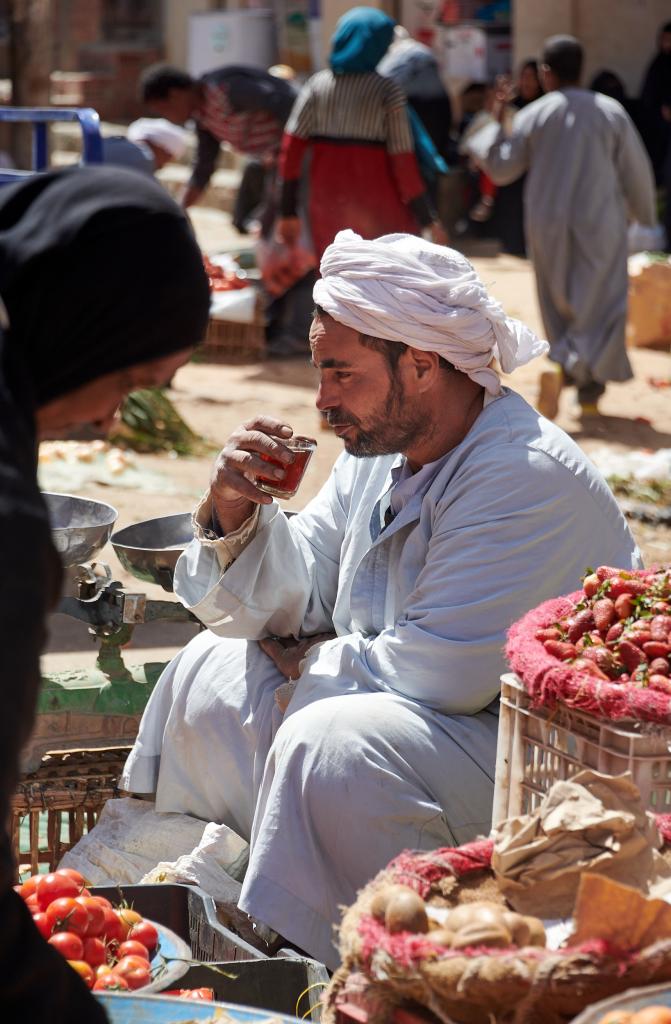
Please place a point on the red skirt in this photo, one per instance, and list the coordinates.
(353, 186)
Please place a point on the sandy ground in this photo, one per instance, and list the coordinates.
(214, 399)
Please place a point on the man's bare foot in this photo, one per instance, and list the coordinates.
(549, 389)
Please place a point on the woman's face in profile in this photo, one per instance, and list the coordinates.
(96, 403)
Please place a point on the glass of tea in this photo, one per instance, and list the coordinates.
(302, 448)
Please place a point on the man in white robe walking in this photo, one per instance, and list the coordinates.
(454, 509)
(587, 172)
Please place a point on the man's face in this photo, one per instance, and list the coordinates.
(374, 410)
(178, 106)
(95, 404)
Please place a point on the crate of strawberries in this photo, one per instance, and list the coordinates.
(604, 649)
(590, 688)
(112, 948)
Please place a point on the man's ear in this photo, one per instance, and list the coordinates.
(426, 367)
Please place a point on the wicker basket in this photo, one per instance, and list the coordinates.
(229, 342)
(66, 794)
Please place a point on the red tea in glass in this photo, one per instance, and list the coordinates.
(302, 447)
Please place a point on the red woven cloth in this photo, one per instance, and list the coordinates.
(549, 681)
(420, 871)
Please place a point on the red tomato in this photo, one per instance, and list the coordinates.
(85, 972)
(95, 912)
(112, 929)
(94, 952)
(42, 924)
(128, 919)
(145, 932)
(203, 995)
(76, 875)
(110, 983)
(29, 886)
(68, 945)
(103, 901)
(54, 887)
(102, 969)
(68, 915)
(32, 904)
(135, 970)
(133, 948)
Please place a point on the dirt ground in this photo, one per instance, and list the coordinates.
(214, 399)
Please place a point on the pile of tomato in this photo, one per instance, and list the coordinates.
(109, 947)
(223, 280)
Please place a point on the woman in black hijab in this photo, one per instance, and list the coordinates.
(103, 290)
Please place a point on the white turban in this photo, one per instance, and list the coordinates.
(401, 288)
(161, 132)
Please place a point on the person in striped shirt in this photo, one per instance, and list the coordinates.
(364, 173)
(243, 106)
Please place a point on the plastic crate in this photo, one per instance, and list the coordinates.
(250, 978)
(291, 985)
(538, 746)
(188, 911)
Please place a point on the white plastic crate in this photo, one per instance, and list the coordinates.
(538, 746)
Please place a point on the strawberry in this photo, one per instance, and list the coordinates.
(623, 606)
(658, 682)
(631, 656)
(560, 649)
(614, 633)
(660, 667)
(656, 649)
(638, 636)
(660, 608)
(660, 627)
(583, 622)
(591, 584)
(618, 586)
(606, 572)
(584, 665)
(602, 658)
(551, 633)
(604, 613)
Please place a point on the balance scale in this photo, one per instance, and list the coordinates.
(101, 707)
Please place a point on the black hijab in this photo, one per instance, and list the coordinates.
(99, 270)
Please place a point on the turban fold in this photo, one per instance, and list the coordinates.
(402, 288)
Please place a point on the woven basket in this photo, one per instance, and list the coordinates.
(228, 342)
(66, 794)
(382, 972)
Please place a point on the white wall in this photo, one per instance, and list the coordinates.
(617, 34)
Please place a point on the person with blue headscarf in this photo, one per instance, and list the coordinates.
(364, 173)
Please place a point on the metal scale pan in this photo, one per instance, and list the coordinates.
(149, 550)
(80, 527)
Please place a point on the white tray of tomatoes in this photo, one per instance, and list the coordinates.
(112, 948)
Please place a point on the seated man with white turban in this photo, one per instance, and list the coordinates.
(454, 509)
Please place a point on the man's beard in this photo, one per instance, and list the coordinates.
(395, 427)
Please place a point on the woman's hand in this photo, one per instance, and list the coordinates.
(288, 654)
(288, 230)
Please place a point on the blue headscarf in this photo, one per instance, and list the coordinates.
(360, 41)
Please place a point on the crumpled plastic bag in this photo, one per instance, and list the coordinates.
(131, 839)
(591, 822)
